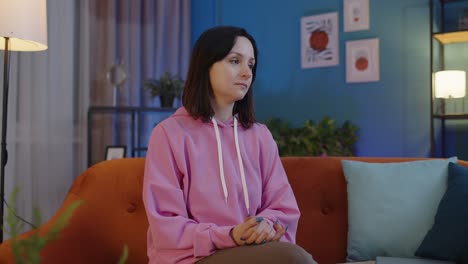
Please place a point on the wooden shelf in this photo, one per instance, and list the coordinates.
(452, 116)
(452, 37)
(448, 1)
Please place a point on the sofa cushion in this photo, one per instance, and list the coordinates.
(448, 238)
(391, 206)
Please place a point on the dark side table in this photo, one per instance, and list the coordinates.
(135, 126)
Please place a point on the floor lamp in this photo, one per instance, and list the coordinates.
(23, 27)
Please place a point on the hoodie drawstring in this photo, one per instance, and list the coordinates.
(220, 159)
(241, 168)
(239, 158)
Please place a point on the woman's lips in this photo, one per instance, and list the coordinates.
(244, 85)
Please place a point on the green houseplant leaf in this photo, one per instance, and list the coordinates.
(324, 138)
(167, 87)
(27, 251)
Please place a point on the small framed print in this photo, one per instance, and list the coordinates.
(362, 60)
(355, 15)
(115, 152)
(319, 40)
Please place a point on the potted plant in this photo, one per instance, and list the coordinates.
(167, 87)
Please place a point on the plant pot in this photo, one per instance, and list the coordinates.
(167, 100)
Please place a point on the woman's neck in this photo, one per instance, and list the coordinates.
(222, 111)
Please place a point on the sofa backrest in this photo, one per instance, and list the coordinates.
(319, 186)
(320, 190)
(113, 214)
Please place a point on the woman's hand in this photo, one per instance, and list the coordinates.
(253, 231)
(280, 231)
(237, 232)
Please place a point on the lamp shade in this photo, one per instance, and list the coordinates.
(25, 23)
(450, 84)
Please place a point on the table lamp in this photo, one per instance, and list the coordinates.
(449, 84)
(23, 27)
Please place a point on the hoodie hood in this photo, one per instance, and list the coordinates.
(183, 112)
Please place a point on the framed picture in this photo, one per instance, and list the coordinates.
(355, 15)
(319, 40)
(362, 60)
(115, 152)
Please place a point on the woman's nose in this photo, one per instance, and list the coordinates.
(246, 72)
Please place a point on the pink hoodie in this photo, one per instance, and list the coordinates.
(193, 196)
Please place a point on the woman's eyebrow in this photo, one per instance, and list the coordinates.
(240, 54)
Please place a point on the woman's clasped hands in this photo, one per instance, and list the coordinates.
(256, 231)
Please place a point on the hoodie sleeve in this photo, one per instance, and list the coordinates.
(169, 224)
(278, 201)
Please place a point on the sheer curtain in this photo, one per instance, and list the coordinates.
(51, 91)
(44, 130)
(145, 37)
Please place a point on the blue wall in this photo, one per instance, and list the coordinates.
(393, 114)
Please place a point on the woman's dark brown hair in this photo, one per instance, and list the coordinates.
(212, 46)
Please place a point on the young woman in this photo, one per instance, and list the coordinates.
(214, 188)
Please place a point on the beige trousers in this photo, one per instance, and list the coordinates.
(273, 252)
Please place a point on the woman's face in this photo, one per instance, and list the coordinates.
(231, 77)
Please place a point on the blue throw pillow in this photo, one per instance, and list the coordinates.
(448, 238)
(391, 206)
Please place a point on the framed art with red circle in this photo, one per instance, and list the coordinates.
(362, 60)
(355, 15)
(319, 40)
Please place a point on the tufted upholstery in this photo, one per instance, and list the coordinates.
(113, 214)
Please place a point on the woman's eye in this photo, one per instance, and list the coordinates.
(251, 65)
(234, 61)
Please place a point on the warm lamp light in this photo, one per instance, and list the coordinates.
(24, 22)
(23, 27)
(450, 84)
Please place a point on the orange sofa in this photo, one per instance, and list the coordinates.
(112, 213)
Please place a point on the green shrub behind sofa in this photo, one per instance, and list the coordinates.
(324, 138)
